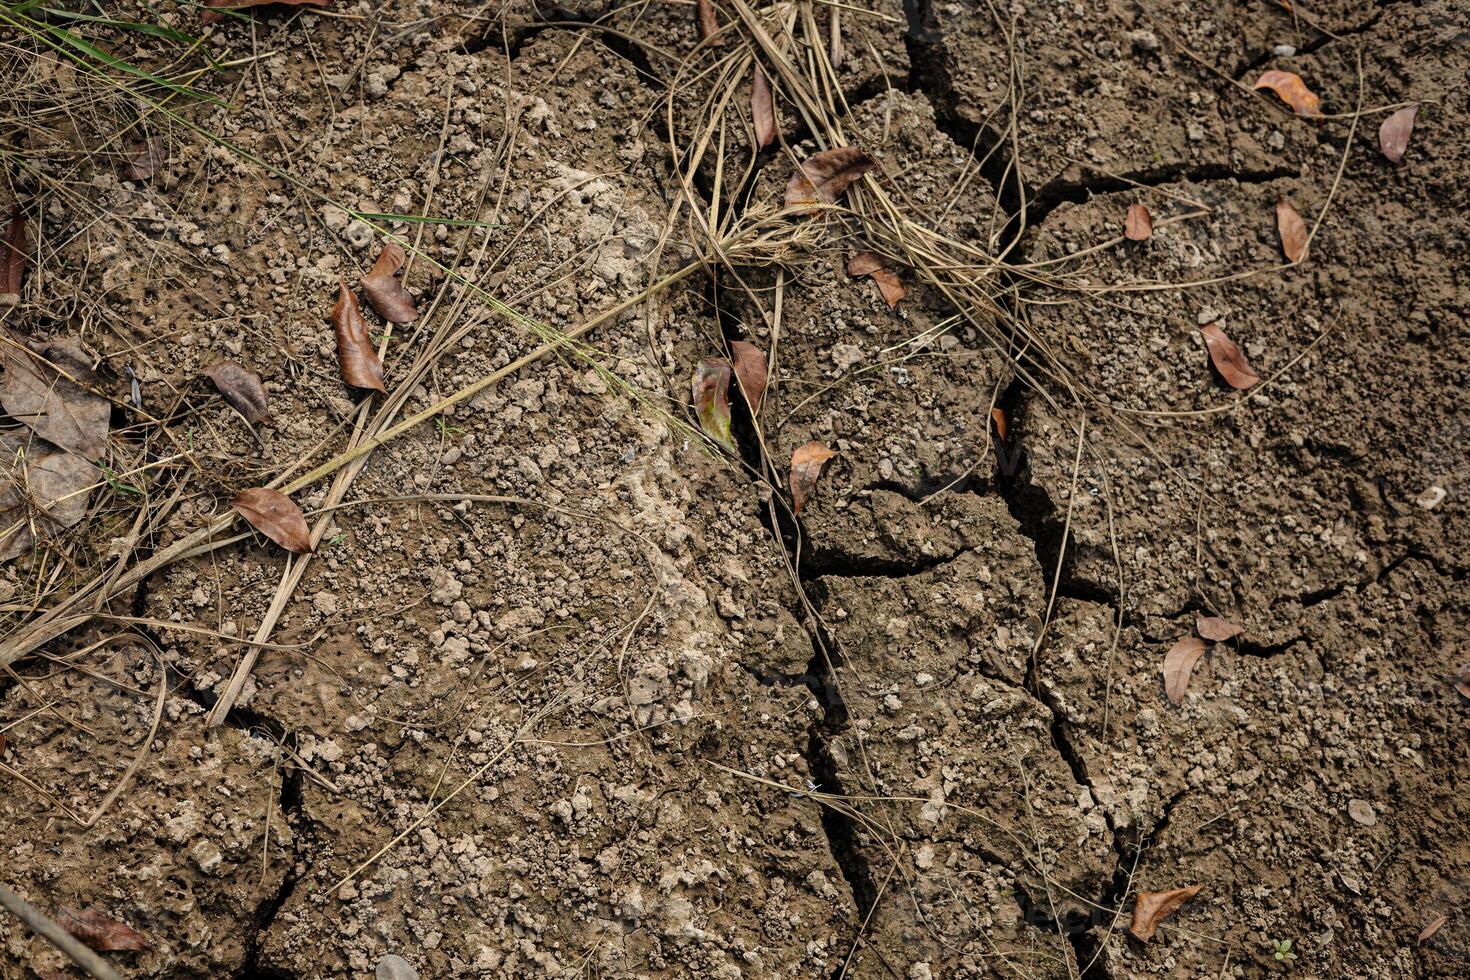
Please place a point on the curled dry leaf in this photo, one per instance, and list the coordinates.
(216, 7)
(1293, 91)
(1139, 224)
(1217, 629)
(998, 416)
(1178, 664)
(144, 159)
(873, 264)
(709, 27)
(98, 931)
(1151, 908)
(356, 358)
(710, 388)
(393, 302)
(1292, 229)
(806, 467)
(41, 389)
(276, 516)
(751, 372)
(242, 389)
(14, 249)
(825, 177)
(1393, 135)
(1227, 358)
(1432, 927)
(762, 109)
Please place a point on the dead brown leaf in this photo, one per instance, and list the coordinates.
(241, 387)
(1151, 908)
(41, 485)
(14, 250)
(145, 158)
(762, 109)
(710, 388)
(998, 416)
(1217, 629)
(40, 389)
(1293, 91)
(873, 264)
(1178, 664)
(709, 26)
(217, 7)
(393, 302)
(1292, 229)
(825, 177)
(98, 931)
(1393, 135)
(1462, 682)
(356, 358)
(1432, 927)
(750, 371)
(1227, 358)
(276, 516)
(1139, 224)
(806, 468)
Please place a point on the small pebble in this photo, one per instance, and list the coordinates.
(1431, 498)
(395, 967)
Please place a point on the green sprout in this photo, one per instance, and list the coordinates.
(1281, 951)
(116, 484)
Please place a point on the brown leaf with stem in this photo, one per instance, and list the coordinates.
(709, 26)
(873, 264)
(750, 371)
(710, 388)
(145, 158)
(218, 7)
(241, 387)
(45, 390)
(276, 516)
(1227, 358)
(356, 358)
(15, 248)
(1139, 224)
(762, 109)
(1217, 629)
(1292, 229)
(393, 302)
(104, 934)
(1292, 90)
(825, 177)
(1432, 927)
(1151, 908)
(1393, 135)
(806, 468)
(1178, 664)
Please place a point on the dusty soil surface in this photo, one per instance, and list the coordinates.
(567, 692)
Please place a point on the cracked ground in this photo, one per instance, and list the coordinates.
(566, 694)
